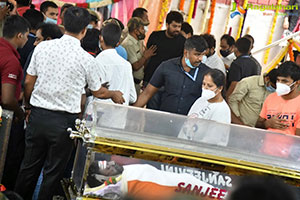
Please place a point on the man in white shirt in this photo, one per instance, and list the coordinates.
(117, 72)
(213, 61)
(226, 50)
(113, 68)
(57, 74)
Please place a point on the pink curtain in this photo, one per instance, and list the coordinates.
(123, 9)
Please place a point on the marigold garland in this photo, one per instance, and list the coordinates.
(191, 10)
(291, 54)
(204, 16)
(242, 20)
(271, 33)
(164, 11)
(212, 14)
(181, 5)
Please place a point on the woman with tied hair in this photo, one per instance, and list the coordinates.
(211, 105)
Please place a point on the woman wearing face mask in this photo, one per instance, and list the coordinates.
(211, 105)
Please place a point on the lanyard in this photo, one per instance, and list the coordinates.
(190, 76)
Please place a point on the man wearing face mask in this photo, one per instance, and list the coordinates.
(140, 13)
(248, 97)
(213, 60)
(281, 110)
(182, 78)
(226, 50)
(137, 55)
(50, 11)
(243, 66)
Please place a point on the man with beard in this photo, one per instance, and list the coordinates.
(137, 56)
(226, 50)
(169, 43)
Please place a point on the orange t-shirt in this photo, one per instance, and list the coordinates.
(288, 109)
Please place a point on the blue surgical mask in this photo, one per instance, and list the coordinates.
(50, 21)
(188, 63)
(90, 26)
(270, 88)
(204, 59)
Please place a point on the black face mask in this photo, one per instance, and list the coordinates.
(141, 36)
(224, 53)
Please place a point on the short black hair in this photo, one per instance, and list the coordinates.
(289, 69)
(46, 4)
(272, 76)
(229, 39)
(94, 18)
(76, 19)
(262, 188)
(64, 7)
(50, 30)
(210, 39)
(174, 16)
(23, 2)
(187, 28)
(92, 181)
(249, 37)
(34, 17)
(139, 12)
(90, 42)
(196, 42)
(217, 76)
(15, 24)
(111, 34)
(243, 45)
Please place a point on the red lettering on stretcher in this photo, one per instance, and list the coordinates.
(210, 192)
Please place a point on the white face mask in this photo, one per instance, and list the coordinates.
(146, 28)
(283, 89)
(208, 94)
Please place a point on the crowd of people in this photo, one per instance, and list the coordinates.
(50, 72)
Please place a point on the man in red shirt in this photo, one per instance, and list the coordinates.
(15, 32)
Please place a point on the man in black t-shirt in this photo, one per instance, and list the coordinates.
(169, 43)
(242, 67)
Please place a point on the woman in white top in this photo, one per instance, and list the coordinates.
(211, 105)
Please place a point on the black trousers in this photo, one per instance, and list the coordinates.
(14, 155)
(47, 145)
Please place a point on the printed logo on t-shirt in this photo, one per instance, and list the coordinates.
(13, 76)
(204, 111)
(287, 116)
